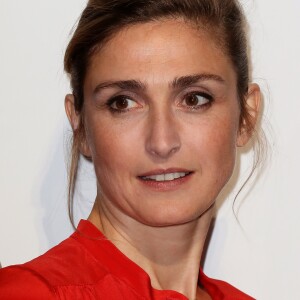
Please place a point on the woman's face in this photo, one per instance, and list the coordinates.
(162, 122)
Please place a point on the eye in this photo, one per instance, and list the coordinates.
(197, 100)
(121, 103)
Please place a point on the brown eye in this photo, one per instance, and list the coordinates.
(122, 103)
(196, 99)
(191, 100)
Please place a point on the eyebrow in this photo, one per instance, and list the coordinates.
(185, 81)
(178, 82)
(134, 85)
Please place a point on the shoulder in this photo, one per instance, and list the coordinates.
(67, 264)
(222, 290)
(17, 282)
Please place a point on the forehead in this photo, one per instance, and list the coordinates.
(158, 51)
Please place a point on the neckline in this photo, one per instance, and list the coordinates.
(120, 266)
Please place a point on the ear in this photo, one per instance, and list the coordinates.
(73, 116)
(247, 125)
(75, 122)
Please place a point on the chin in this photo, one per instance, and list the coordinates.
(173, 216)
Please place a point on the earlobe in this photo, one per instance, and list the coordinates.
(248, 122)
(75, 120)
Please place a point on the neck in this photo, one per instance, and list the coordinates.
(170, 255)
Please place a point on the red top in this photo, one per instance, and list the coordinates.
(87, 266)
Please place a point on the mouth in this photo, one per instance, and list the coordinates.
(165, 175)
(171, 176)
(164, 180)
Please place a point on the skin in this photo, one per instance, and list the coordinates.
(161, 227)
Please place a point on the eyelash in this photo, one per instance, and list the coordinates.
(112, 100)
(207, 96)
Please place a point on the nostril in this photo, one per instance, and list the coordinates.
(164, 152)
(163, 137)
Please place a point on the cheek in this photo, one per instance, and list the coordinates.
(112, 149)
(224, 153)
(215, 145)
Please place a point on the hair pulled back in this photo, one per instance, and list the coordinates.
(101, 19)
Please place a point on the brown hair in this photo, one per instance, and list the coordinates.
(101, 19)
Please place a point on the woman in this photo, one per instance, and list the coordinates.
(160, 101)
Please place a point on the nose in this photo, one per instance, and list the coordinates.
(163, 138)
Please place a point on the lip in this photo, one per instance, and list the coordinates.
(165, 186)
(165, 171)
